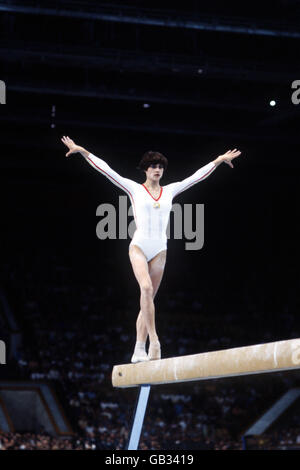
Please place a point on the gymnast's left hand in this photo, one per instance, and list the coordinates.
(228, 157)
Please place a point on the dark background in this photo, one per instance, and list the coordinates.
(208, 70)
(191, 80)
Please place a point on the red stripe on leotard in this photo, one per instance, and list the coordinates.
(151, 194)
(194, 182)
(111, 177)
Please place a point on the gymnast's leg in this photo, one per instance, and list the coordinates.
(156, 270)
(149, 276)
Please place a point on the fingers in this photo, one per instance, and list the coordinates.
(68, 143)
(230, 155)
(66, 139)
(234, 153)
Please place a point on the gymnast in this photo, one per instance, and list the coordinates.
(151, 204)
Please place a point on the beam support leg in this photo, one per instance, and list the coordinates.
(139, 417)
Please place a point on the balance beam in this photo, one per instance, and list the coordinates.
(256, 359)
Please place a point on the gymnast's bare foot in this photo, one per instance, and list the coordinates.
(154, 351)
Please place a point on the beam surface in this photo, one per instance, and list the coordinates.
(256, 359)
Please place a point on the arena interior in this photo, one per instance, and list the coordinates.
(191, 80)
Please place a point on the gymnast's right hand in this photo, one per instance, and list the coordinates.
(73, 148)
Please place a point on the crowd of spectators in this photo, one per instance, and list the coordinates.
(74, 332)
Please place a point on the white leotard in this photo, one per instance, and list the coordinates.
(151, 222)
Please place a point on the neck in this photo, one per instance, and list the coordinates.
(152, 184)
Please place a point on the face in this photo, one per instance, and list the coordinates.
(155, 171)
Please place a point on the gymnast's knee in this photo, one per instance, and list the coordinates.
(147, 288)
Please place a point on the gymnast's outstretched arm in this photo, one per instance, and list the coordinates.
(204, 172)
(100, 165)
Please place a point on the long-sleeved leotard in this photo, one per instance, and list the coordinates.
(151, 214)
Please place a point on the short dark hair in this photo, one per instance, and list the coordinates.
(152, 157)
